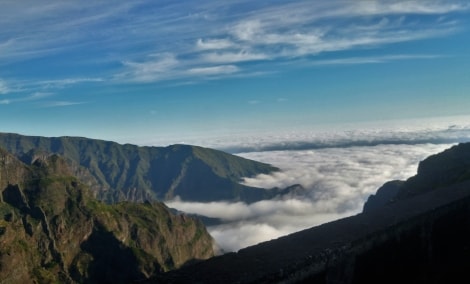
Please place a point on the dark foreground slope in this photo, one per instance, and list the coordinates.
(53, 231)
(423, 238)
(127, 172)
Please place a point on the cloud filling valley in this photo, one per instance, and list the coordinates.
(336, 182)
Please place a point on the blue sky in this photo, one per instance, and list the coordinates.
(149, 71)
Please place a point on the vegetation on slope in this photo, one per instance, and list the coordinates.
(127, 172)
(53, 231)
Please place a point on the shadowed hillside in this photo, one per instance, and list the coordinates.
(117, 172)
(437, 171)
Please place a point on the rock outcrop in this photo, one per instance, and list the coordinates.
(52, 230)
(440, 170)
(384, 195)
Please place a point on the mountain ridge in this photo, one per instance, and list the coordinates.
(118, 172)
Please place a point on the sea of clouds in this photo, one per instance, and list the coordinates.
(338, 170)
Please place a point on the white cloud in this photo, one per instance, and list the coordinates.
(55, 26)
(214, 44)
(248, 30)
(372, 59)
(190, 36)
(338, 168)
(223, 210)
(299, 29)
(439, 130)
(4, 89)
(214, 70)
(32, 97)
(337, 183)
(167, 67)
(418, 7)
(61, 103)
(229, 57)
(38, 96)
(159, 67)
(69, 81)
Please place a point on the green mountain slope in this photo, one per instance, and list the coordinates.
(53, 231)
(127, 172)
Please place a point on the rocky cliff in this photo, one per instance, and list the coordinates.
(52, 230)
(117, 172)
(437, 171)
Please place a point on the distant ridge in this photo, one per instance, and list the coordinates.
(118, 172)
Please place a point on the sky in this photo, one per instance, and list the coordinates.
(342, 96)
(164, 72)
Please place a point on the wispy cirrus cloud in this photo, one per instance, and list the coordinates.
(68, 81)
(167, 67)
(39, 92)
(305, 29)
(209, 44)
(33, 31)
(340, 28)
(38, 99)
(214, 70)
(4, 89)
(51, 104)
(372, 59)
(156, 69)
(188, 36)
(232, 57)
(38, 96)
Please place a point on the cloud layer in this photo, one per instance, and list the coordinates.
(438, 130)
(337, 183)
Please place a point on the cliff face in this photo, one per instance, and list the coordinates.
(437, 171)
(53, 231)
(384, 195)
(117, 172)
